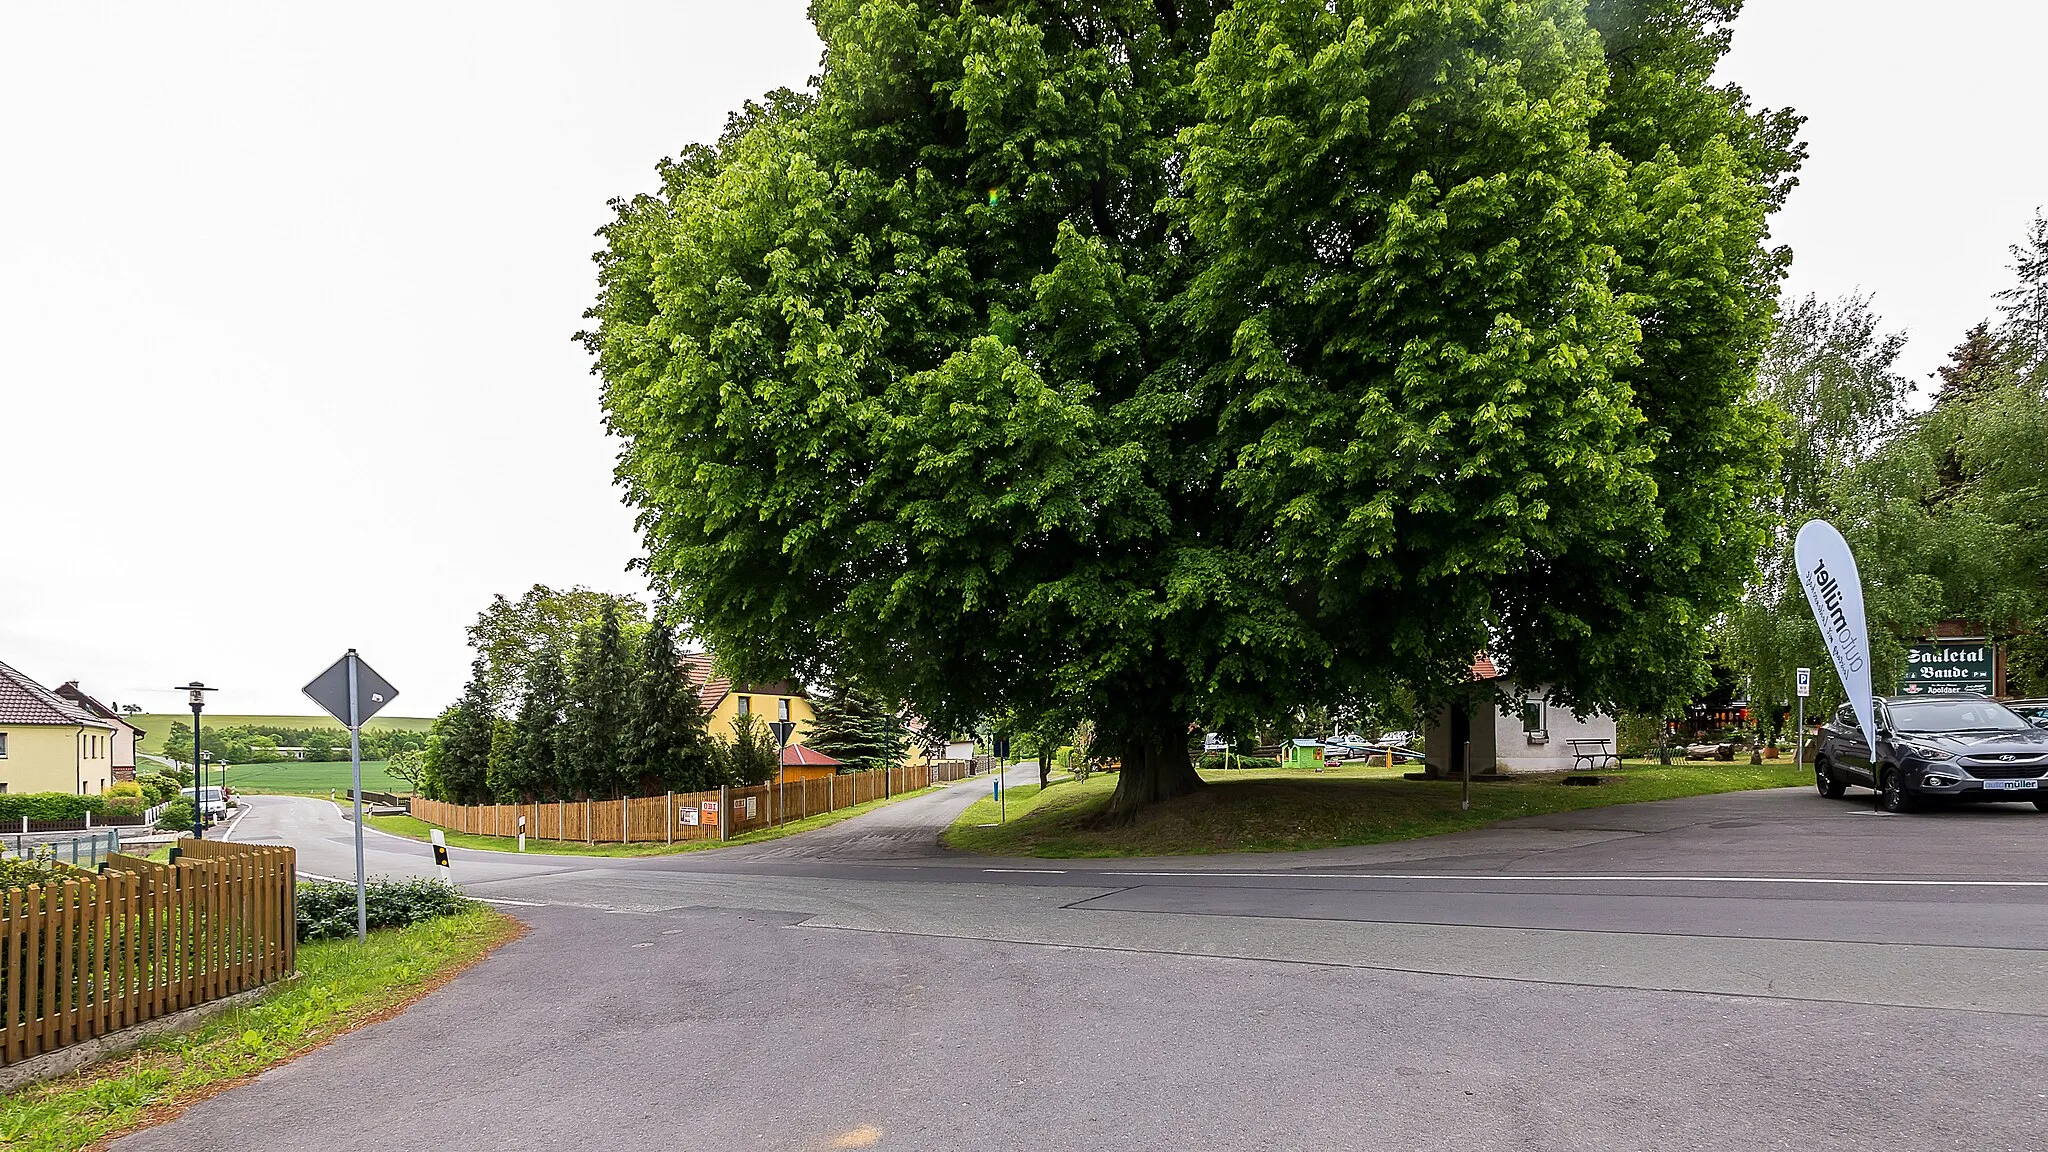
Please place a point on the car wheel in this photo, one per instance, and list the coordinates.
(1893, 797)
(1826, 784)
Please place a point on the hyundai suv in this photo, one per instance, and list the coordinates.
(1962, 747)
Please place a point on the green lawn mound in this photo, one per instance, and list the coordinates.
(1283, 811)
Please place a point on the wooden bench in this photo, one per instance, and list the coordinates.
(1592, 754)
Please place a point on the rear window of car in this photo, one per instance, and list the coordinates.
(1954, 716)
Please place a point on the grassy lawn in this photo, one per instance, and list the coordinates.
(414, 829)
(1277, 810)
(157, 725)
(316, 778)
(341, 986)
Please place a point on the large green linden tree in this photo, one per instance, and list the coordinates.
(1174, 362)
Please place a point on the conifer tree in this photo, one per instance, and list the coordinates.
(668, 745)
(853, 728)
(459, 752)
(599, 686)
(539, 764)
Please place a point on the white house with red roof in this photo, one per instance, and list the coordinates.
(1536, 735)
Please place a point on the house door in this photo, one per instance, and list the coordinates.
(1461, 738)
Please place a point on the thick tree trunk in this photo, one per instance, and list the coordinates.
(1155, 767)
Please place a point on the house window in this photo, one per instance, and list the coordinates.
(3, 754)
(1534, 716)
(783, 710)
(746, 705)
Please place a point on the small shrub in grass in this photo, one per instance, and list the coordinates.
(327, 910)
(176, 814)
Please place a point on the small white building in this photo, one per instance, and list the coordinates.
(1535, 736)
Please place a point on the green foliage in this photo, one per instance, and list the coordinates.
(327, 910)
(48, 806)
(667, 746)
(600, 685)
(1946, 510)
(1207, 374)
(512, 634)
(124, 790)
(40, 866)
(177, 814)
(539, 765)
(234, 743)
(458, 753)
(158, 787)
(750, 757)
(501, 771)
(851, 726)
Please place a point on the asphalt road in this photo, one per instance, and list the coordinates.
(1757, 970)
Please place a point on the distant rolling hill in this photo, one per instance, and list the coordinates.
(156, 725)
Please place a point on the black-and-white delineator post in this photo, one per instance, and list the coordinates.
(441, 855)
(352, 692)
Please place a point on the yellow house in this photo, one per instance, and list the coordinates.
(49, 744)
(725, 702)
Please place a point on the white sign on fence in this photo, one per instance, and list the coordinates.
(691, 816)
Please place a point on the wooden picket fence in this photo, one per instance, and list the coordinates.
(677, 817)
(86, 957)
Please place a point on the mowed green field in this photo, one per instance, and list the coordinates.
(157, 725)
(299, 776)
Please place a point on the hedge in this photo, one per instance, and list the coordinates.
(49, 806)
(327, 910)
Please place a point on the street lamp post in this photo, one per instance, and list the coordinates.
(195, 693)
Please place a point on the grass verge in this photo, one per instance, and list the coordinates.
(1277, 810)
(416, 829)
(341, 987)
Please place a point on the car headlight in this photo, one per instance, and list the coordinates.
(1923, 752)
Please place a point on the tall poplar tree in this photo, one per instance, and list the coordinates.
(666, 739)
(600, 685)
(539, 760)
(458, 754)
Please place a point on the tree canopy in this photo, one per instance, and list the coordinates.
(1159, 362)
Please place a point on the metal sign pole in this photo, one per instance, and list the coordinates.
(355, 762)
(1466, 803)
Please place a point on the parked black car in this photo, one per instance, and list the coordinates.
(1963, 748)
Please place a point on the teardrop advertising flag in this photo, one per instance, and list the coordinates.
(1828, 571)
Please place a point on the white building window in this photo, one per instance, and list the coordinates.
(1535, 716)
(746, 705)
(783, 709)
(3, 745)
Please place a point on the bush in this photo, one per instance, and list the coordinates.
(327, 910)
(176, 814)
(38, 867)
(125, 806)
(124, 790)
(48, 806)
(157, 787)
(1635, 735)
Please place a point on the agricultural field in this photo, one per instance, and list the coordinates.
(314, 778)
(157, 725)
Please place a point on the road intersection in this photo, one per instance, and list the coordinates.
(1738, 971)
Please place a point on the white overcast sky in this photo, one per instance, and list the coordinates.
(287, 290)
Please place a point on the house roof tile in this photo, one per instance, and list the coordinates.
(799, 756)
(23, 701)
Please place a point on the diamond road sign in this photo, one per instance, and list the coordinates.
(330, 690)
